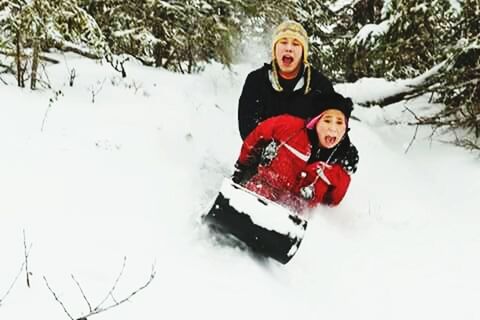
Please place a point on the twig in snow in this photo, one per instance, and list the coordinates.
(117, 64)
(73, 75)
(56, 298)
(101, 307)
(414, 115)
(24, 265)
(110, 293)
(4, 82)
(5, 295)
(116, 303)
(97, 90)
(26, 252)
(83, 293)
(412, 140)
(416, 129)
(53, 99)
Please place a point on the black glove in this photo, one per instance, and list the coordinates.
(327, 197)
(243, 173)
(263, 153)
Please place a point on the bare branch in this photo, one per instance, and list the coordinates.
(23, 55)
(96, 91)
(83, 293)
(56, 298)
(413, 113)
(24, 265)
(117, 64)
(2, 299)
(26, 252)
(100, 307)
(114, 285)
(51, 101)
(412, 140)
(73, 75)
(119, 302)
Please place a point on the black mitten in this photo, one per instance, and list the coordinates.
(243, 173)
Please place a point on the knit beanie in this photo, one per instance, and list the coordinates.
(324, 102)
(291, 29)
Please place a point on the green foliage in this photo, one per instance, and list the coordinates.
(177, 35)
(418, 34)
(349, 39)
(459, 86)
(316, 17)
(55, 23)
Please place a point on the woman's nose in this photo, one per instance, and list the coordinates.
(332, 129)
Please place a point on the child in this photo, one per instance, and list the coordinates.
(301, 163)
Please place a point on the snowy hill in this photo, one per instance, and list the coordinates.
(128, 175)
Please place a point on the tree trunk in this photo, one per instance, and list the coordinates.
(35, 58)
(18, 59)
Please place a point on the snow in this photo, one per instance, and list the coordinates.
(339, 4)
(129, 175)
(369, 32)
(366, 90)
(456, 5)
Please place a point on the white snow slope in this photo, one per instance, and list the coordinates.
(129, 174)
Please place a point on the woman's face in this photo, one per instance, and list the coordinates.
(331, 128)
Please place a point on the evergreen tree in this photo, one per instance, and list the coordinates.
(332, 25)
(419, 32)
(459, 86)
(177, 35)
(30, 27)
(316, 17)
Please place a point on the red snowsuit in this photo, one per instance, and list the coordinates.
(283, 178)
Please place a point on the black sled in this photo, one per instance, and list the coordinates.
(264, 226)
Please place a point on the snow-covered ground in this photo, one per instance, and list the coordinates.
(128, 175)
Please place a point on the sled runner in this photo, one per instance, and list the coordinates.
(264, 226)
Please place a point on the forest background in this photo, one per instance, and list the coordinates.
(436, 42)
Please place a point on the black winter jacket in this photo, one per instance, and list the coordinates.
(260, 101)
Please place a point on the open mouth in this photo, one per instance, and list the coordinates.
(330, 140)
(287, 60)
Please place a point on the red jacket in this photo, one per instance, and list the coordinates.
(289, 176)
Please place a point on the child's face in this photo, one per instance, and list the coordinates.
(330, 128)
